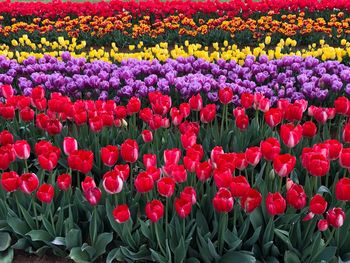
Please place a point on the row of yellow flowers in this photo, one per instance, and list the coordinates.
(24, 48)
(288, 25)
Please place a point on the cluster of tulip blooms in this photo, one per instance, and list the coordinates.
(157, 157)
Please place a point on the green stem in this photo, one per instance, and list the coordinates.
(17, 203)
(222, 229)
(166, 219)
(35, 214)
(280, 185)
(223, 118)
(158, 239)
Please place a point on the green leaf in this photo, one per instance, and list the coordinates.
(73, 238)
(40, 235)
(256, 218)
(327, 254)
(28, 218)
(291, 257)
(79, 256)
(254, 238)
(180, 251)
(6, 256)
(323, 189)
(5, 241)
(101, 243)
(114, 254)
(283, 235)
(237, 256)
(18, 226)
(22, 243)
(59, 241)
(269, 230)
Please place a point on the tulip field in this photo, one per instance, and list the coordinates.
(176, 131)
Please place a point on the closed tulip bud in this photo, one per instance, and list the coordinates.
(6, 137)
(45, 193)
(120, 112)
(284, 164)
(247, 100)
(318, 205)
(64, 182)
(253, 155)
(154, 210)
(22, 149)
(336, 217)
(7, 91)
(49, 160)
(342, 105)
(149, 160)
(275, 204)
(133, 106)
(112, 182)
(344, 158)
(26, 114)
(129, 151)
(222, 178)
(251, 200)
(242, 122)
(143, 182)
(188, 139)
(223, 201)
(88, 183)
(10, 181)
(166, 186)
(346, 133)
(225, 95)
(123, 171)
(121, 213)
(334, 148)
(81, 160)
(28, 183)
(147, 136)
(208, 113)
(96, 124)
(7, 156)
(238, 111)
(109, 155)
(189, 194)
(270, 148)
(93, 196)
(185, 109)
(309, 129)
(182, 207)
(171, 156)
(342, 189)
(203, 171)
(69, 145)
(196, 102)
(294, 112)
(239, 186)
(296, 196)
(154, 172)
(273, 117)
(322, 225)
(291, 134)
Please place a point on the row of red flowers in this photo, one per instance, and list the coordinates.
(160, 8)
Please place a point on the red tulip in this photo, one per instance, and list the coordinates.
(22, 149)
(10, 181)
(109, 155)
(317, 164)
(296, 196)
(120, 112)
(251, 200)
(154, 210)
(222, 178)
(294, 112)
(273, 117)
(223, 201)
(171, 156)
(189, 194)
(342, 189)
(176, 116)
(190, 162)
(45, 193)
(166, 186)
(342, 105)
(264, 104)
(188, 139)
(189, 126)
(143, 182)
(53, 127)
(322, 225)
(149, 160)
(291, 135)
(253, 155)
(38, 93)
(42, 147)
(318, 204)
(225, 95)
(227, 161)
(88, 183)
(208, 113)
(7, 112)
(49, 160)
(185, 109)
(121, 213)
(336, 217)
(112, 182)
(203, 171)
(64, 182)
(284, 164)
(240, 161)
(154, 172)
(242, 122)
(179, 173)
(147, 136)
(239, 186)
(160, 103)
(6, 137)
(7, 91)
(93, 195)
(6, 156)
(238, 111)
(334, 149)
(26, 114)
(344, 158)
(133, 106)
(247, 100)
(270, 148)
(275, 204)
(309, 129)
(69, 145)
(182, 207)
(28, 183)
(215, 153)
(346, 133)
(81, 160)
(196, 102)
(129, 150)
(123, 171)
